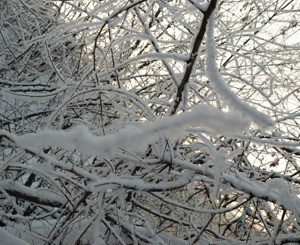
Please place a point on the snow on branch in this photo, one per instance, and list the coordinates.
(275, 191)
(229, 97)
(138, 184)
(136, 138)
(9, 239)
(39, 196)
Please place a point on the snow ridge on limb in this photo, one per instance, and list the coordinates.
(23, 192)
(135, 138)
(230, 98)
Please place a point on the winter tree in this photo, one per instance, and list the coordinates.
(149, 122)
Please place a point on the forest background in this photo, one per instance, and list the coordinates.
(149, 122)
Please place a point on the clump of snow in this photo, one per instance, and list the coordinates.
(284, 195)
(220, 164)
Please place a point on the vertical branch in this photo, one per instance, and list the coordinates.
(193, 55)
(277, 229)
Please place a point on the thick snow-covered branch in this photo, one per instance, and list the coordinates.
(229, 97)
(136, 138)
